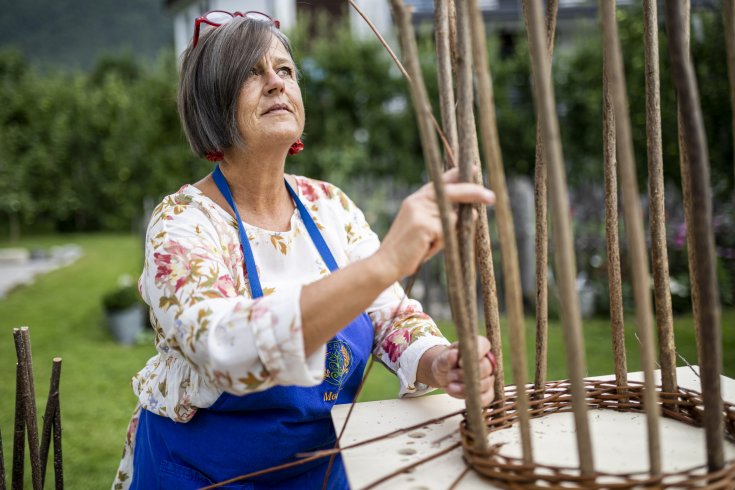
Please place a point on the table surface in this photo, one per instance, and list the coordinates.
(619, 440)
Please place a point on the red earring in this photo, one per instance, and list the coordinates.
(214, 156)
(296, 147)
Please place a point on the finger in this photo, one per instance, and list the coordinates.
(488, 396)
(451, 175)
(493, 361)
(444, 362)
(434, 249)
(466, 192)
(452, 357)
(457, 389)
(486, 367)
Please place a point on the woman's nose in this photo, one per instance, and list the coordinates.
(273, 81)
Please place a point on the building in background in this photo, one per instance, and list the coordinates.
(504, 18)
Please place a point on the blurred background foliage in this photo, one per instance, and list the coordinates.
(91, 150)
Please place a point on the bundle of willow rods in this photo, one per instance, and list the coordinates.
(461, 139)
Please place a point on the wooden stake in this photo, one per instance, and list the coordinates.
(657, 208)
(58, 456)
(542, 217)
(702, 243)
(49, 416)
(23, 351)
(566, 268)
(465, 330)
(508, 247)
(19, 433)
(633, 227)
(617, 326)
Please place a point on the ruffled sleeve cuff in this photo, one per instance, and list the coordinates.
(409, 363)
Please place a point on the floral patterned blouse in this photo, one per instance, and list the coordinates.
(212, 337)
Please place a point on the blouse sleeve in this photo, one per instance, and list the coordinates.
(403, 332)
(231, 341)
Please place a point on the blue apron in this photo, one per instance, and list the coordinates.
(242, 434)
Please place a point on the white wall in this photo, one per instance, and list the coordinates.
(378, 11)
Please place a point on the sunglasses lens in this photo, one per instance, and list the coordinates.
(258, 16)
(219, 17)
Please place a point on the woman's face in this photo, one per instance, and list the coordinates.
(269, 109)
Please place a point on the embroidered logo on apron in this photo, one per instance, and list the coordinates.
(338, 363)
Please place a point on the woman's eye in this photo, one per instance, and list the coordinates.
(285, 71)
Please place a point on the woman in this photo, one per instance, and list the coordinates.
(268, 292)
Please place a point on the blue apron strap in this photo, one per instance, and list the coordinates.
(252, 272)
(256, 290)
(316, 236)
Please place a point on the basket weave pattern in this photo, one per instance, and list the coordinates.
(685, 406)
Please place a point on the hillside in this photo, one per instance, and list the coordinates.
(70, 34)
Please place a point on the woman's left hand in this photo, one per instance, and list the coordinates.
(446, 369)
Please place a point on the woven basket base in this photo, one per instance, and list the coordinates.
(511, 472)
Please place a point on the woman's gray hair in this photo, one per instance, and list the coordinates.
(212, 75)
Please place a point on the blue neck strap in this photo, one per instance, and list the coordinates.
(251, 272)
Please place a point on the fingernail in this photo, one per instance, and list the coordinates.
(493, 361)
(453, 387)
(489, 195)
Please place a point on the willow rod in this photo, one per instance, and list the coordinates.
(617, 326)
(23, 351)
(657, 207)
(465, 127)
(566, 267)
(447, 103)
(483, 246)
(729, 18)
(542, 217)
(634, 229)
(686, 192)
(506, 231)
(444, 76)
(708, 316)
(488, 286)
(19, 433)
(465, 330)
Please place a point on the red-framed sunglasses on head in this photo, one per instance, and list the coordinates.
(216, 18)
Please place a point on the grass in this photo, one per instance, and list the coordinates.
(381, 384)
(63, 310)
(64, 313)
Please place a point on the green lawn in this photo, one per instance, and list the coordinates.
(598, 347)
(63, 311)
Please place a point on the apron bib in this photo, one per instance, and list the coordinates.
(242, 434)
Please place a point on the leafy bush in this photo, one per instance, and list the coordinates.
(121, 298)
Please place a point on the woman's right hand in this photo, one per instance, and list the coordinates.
(416, 233)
